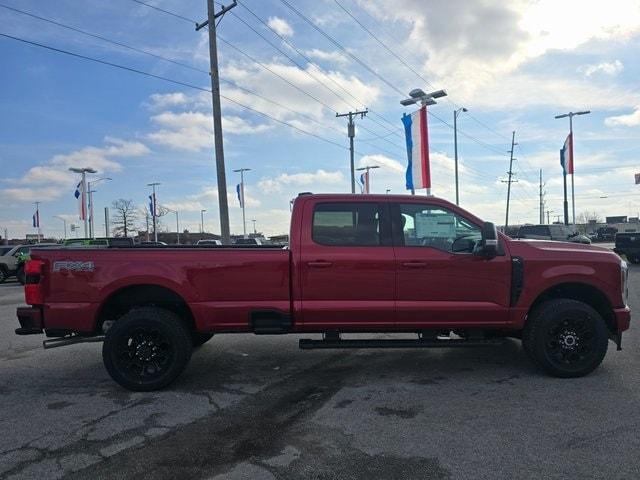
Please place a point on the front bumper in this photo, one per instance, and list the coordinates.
(623, 318)
(30, 319)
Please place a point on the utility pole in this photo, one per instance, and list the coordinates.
(455, 146)
(217, 114)
(351, 133)
(106, 222)
(241, 198)
(366, 187)
(541, 200)
(548, 212)
(154, 208)
(509, 181)
(91, 227)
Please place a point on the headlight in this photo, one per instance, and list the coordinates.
(624, 280)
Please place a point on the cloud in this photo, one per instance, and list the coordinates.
(281, 26)
(164, 100)
(49, 180)
(608, 68)
(193, 131)
(319, 177)
(460, 54)
(628, 120)
(326, 56)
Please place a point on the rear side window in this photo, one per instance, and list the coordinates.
(346, 224)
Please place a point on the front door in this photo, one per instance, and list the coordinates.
(440, 282)
(347, 266)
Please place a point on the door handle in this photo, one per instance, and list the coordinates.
(319, 264)
(414, 264)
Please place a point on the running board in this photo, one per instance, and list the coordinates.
(69, 340)
(310, 344)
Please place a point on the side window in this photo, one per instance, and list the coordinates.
(346, 224)
(436, 227)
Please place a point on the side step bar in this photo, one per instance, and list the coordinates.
(310, 344)
(70, 340)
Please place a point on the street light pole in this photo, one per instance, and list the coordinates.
(154, 205)
(83, 198)
(573, 192)
(92, 227)
(242, 202)
(64, 222)
(455, 146)
(418, 95)
(202, 220)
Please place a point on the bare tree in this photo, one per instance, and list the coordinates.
(124, 217)
(586, 217)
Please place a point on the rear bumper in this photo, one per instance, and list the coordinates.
(30, 319)
(623, 318)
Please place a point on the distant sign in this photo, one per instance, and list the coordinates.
(619, 219)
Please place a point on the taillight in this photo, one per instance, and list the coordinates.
(33, 287)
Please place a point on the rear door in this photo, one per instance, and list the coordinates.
(440, 282)
(347, 266)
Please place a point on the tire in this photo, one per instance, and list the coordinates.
(566, 338)
(200, 339)
(20, 275)
(146, 349)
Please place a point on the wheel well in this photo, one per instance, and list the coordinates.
(583, 293)
(123, 300)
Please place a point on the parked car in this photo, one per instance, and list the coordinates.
(628, 244)
(356, 263)
(209, 242)
(4, 249)
(85, 242)
(248, 241)
(606, 234)
(12, 262)
(557, 232)
(152, 243)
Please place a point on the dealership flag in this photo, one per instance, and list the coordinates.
(36, 219)
(417, 139)
(82, 204)
(566, 159)
(152, 205)
(240, 192)
(364, 180)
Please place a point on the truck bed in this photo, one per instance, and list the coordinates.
(220, 285)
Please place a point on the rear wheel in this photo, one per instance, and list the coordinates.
(567, 338)
(146, 349)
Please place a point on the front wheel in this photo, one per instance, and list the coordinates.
(146, 349)
(567, 338)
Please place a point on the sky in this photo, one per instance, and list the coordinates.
(286, 69)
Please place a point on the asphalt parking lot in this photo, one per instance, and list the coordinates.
(251, 407)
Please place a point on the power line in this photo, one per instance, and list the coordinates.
(170, 80)
(105, 39)
(173, 14)
(160, 57)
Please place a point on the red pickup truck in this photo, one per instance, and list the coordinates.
(356, 263)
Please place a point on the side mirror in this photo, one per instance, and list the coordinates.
(488, 247)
